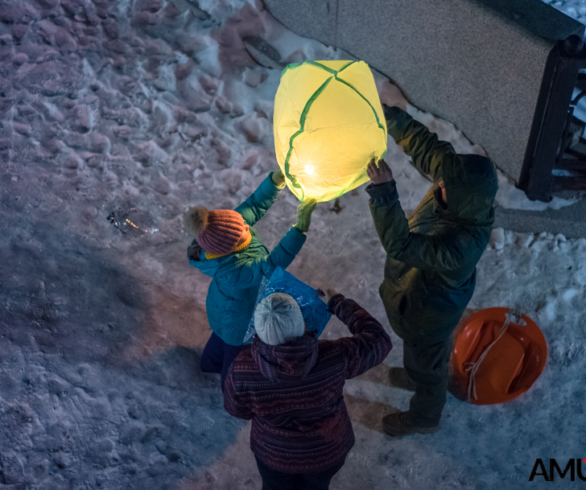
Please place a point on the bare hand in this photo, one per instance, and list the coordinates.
(329, 294)
(379, 174)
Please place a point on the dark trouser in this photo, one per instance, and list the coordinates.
(428, 367)
(275, 480)
(218, 356)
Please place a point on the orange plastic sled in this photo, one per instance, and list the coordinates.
(508, 368)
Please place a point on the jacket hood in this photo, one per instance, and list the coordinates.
(291, 360)
(471, 184)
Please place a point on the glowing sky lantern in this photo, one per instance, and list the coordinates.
(328, 124)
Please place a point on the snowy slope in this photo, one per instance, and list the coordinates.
(115, 116)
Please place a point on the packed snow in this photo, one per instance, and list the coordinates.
(115, 117)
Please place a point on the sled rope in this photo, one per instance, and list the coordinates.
(472, 367)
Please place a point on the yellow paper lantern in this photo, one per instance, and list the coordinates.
(328, 124)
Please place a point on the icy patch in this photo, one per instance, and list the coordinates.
(569, 294)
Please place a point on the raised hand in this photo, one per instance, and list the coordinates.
(304, 214)
(379, 174)
(327, 295)
(278, 178)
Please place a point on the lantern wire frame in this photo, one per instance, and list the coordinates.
(292, 178)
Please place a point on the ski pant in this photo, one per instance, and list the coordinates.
(427, 366)
(275, 480)
(218, 356)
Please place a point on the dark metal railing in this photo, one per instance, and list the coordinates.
(556, 144)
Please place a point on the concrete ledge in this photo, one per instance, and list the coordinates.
(315, 19)
(568, 221)
(536, 17)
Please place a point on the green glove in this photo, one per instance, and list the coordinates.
(278, 178)
(304, 214)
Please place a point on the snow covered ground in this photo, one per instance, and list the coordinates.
(115, 116)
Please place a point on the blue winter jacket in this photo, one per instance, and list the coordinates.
(236, 277)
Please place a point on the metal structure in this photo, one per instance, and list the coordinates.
(555, 159)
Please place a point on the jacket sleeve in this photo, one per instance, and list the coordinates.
(284, 253)
(426, 151)
(232, 402)
(438, 252)
(369, 344)
(255, 207)
(281, 256)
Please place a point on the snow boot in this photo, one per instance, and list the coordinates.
(401, 424)
(399, 378)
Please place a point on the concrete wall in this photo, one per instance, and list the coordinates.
(476, 63)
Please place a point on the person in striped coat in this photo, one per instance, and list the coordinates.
(291, 386)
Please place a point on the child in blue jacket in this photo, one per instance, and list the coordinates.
(228, 249)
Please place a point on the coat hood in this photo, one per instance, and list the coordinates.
(471, 184)
(291, 360)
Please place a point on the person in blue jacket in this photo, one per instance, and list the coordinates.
(228, 249)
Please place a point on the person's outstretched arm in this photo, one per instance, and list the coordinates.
(284, 253)
(290, 245)
(439, 252)
(426, 151)
(255, 207)
(369, 344)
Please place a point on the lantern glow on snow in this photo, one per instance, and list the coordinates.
(328, 124)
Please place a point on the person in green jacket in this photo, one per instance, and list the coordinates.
(228, 249)
(430, 270)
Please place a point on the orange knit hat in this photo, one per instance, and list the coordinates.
(218, 232)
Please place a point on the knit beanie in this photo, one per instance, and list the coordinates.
(278, 318)
(218, 232)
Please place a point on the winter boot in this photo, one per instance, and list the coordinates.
(401, 424)
(399, 378)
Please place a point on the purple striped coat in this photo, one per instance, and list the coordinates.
(293, 392)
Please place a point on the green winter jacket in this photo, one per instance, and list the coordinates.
(430, 270)
(236, 277)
